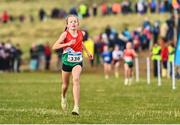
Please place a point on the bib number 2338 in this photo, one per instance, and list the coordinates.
(75, 57)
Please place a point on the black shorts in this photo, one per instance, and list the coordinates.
(67, 68)
(130, 64)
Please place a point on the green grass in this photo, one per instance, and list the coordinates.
(35, 98)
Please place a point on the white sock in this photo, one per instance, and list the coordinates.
(117, 75)
(126, 81)
(106, 77)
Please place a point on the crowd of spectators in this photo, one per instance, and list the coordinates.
(40, 57)
(142, 37)
(10, 57)
(84, 10)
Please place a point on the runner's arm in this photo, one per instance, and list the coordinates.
(59, 43)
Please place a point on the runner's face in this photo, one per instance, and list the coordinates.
(72, 23)
(128, 46)
(116, 48)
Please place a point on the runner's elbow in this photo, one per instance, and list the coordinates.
(54, 47)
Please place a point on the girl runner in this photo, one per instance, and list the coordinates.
(116, 55)
(107, 60)
(129, 55)
(71, 40)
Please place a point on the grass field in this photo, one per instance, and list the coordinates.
(35, 98)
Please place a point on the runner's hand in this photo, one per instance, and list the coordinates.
(91, 57)
(71, 42)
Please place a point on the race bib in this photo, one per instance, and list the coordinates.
(107, 58)
(74, 57)
(128, 59)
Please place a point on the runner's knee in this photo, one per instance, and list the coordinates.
(76, 80)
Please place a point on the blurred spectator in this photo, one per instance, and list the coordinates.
(83, 10)
(33, 57)
(163, 30)
(55, 13)
(104, 9)
(126, 7)
(170, 32)
(112, 39)
(127, 34)
(17, 58)
(95, 9)
(47, 52)
(58, 13)
(42, 14)
(21, 18)
(11, 18)
(86, 36)
(167, 6)
(89, 43)
(156, 31)
(5, 17)
(153, 6)
(140, 7)
(155, 56)
(146, 23)
(145, 6)
(62, 13)
(117, 41)
(98, 48)
(136, 39)
(108, 30)
(148, 33)
(73, 11)
(175, 4)
(116, 8)
(10, 57)
(109, 9)
(59, 56)
(105, 38)
(162, 7)
(41, 56)
(2, 57)
(164, 56)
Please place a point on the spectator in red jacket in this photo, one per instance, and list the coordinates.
(47, 53)
(164, 56)
(5, 17)
(104, 9)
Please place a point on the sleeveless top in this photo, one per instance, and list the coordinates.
(128, 55)
(72, 55)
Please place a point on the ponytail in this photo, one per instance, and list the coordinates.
(65, 28)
